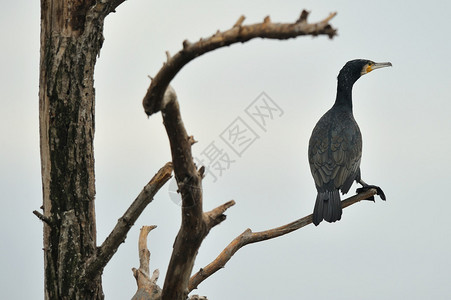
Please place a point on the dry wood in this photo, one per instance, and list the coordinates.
(42, 217)
(249, 237)
(239, 33)
(195, 223)
(95, 265)
(147, 286)
(71, 38)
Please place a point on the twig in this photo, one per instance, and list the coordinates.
(152, 101)
(95, 265)
(42, 217)
(216, 216)
(249, 237)
(238, 23)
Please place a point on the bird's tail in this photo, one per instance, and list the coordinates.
(327, 207)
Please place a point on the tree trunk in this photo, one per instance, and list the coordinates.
(70, 42)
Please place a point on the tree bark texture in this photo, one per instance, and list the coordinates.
(71, 38)
(196, 223)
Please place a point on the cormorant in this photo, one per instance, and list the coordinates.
(335, 147)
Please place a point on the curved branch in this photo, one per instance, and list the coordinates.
(152, 101)
(147, 285)
(144, 253)
(95, 265)
(249, 237)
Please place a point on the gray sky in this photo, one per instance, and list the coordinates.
(384, 250)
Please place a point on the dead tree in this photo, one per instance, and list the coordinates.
(71, 38)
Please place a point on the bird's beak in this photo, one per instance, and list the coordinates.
(380, 65)
(370, 67)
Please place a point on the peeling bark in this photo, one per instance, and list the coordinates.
(71, 38)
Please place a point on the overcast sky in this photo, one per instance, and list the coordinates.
(384, 250)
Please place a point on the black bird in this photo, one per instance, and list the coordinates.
(335, 147)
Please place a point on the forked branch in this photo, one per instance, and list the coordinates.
(239, 33)
(249, 237)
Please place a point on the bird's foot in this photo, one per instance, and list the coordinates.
(367, 187)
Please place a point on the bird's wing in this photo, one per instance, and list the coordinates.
(335, 150)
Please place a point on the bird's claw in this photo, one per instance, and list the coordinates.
(379, 192)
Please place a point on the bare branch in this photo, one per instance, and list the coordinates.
(303, 17)
(160, 96)
(144, 253)
(147, 286)
(106, 7)
(249, 237)
(216, 216)
(95, 265)
(238, 23)
(42, 217)
(195, 223)
(152, 101)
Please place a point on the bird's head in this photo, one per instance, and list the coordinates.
(353, 69)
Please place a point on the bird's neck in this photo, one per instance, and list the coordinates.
(344, 95)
